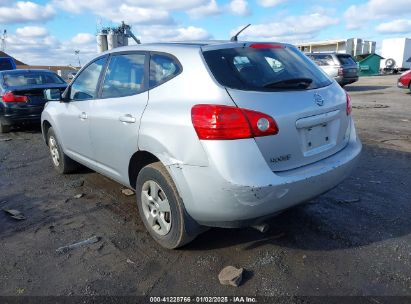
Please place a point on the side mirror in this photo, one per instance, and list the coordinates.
(52, 95)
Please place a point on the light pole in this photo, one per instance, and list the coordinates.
(77, 52)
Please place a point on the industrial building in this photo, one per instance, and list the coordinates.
(352, 46)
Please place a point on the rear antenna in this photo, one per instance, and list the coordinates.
(235, 37)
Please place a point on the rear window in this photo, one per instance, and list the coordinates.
(346, 60)
(31, 78)
(265, 69)
(322, 59)
(6, 64)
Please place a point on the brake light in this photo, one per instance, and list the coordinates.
(349, 106)
(218, 122)
(10, 97)
(340, 71)
(266, 46)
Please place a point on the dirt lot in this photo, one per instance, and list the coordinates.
(354, 240)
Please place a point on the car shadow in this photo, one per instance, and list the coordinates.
(26, 128)
(359, 212)
(357, 88)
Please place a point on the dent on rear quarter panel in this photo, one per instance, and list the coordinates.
(166, 129)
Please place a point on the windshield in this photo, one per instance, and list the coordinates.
(265, 69)
(346, 60)
(31, 78)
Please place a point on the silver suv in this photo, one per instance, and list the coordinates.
(341, 67)
(209, 134)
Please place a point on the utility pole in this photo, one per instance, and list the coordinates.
(77, 52)
(3, 41)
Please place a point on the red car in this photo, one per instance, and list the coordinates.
(404, 81)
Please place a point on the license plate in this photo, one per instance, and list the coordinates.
(316, 136)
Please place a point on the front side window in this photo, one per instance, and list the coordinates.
(85, 85)
(162, 69)
(124, 76)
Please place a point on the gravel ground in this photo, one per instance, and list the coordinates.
(353, 240)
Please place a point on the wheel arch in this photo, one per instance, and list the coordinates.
(45, 126)
(138, 161)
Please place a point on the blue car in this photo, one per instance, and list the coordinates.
(22, 95)
(7, 63)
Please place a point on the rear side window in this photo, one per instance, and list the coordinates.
(162, 69)
(264, 69)
(31, 79)
(6, 64)
(124, 76)
(346, 60)
(85, 85)
(322, 59)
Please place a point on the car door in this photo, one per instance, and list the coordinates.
(115, 116)
(73, 119)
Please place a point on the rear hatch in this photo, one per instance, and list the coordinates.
(350, 68)
(278, 80)
(35, 93)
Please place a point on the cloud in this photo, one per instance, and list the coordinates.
(25, 11)
(137, 15)
(78, 6)
(48, 50)
(270, 3)
(171, 33)
(33, 31)
(399, 26)
(83, 38)
(239, 7)
(357, 16)
(209, 9)
(289, 29)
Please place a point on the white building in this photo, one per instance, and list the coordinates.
(352, 46)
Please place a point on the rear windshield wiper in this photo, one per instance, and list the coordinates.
(298, 83)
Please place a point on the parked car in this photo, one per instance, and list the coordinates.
(341, 67)
(7, 63)
(404, 81)
(209, 134)
(21, 95)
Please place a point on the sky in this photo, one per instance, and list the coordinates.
(46, 32)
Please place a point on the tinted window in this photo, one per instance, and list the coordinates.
(264, 69)
(31, 79)
(85, 85)
(346, 60)
(162, 69)
(6, 64)
(322, 59)
(124, 76)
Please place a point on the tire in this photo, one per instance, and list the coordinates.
(61, 162)
(4, 128)
(170, 229)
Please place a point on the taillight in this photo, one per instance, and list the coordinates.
(266, 46)
(340, 71)
(218, 122)
(348, 106)
(11, 97)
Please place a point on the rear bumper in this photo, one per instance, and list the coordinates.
(243, 190)
(343, 80)
(15, 115)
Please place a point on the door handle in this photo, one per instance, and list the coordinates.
(128, 118)
(83, 115)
